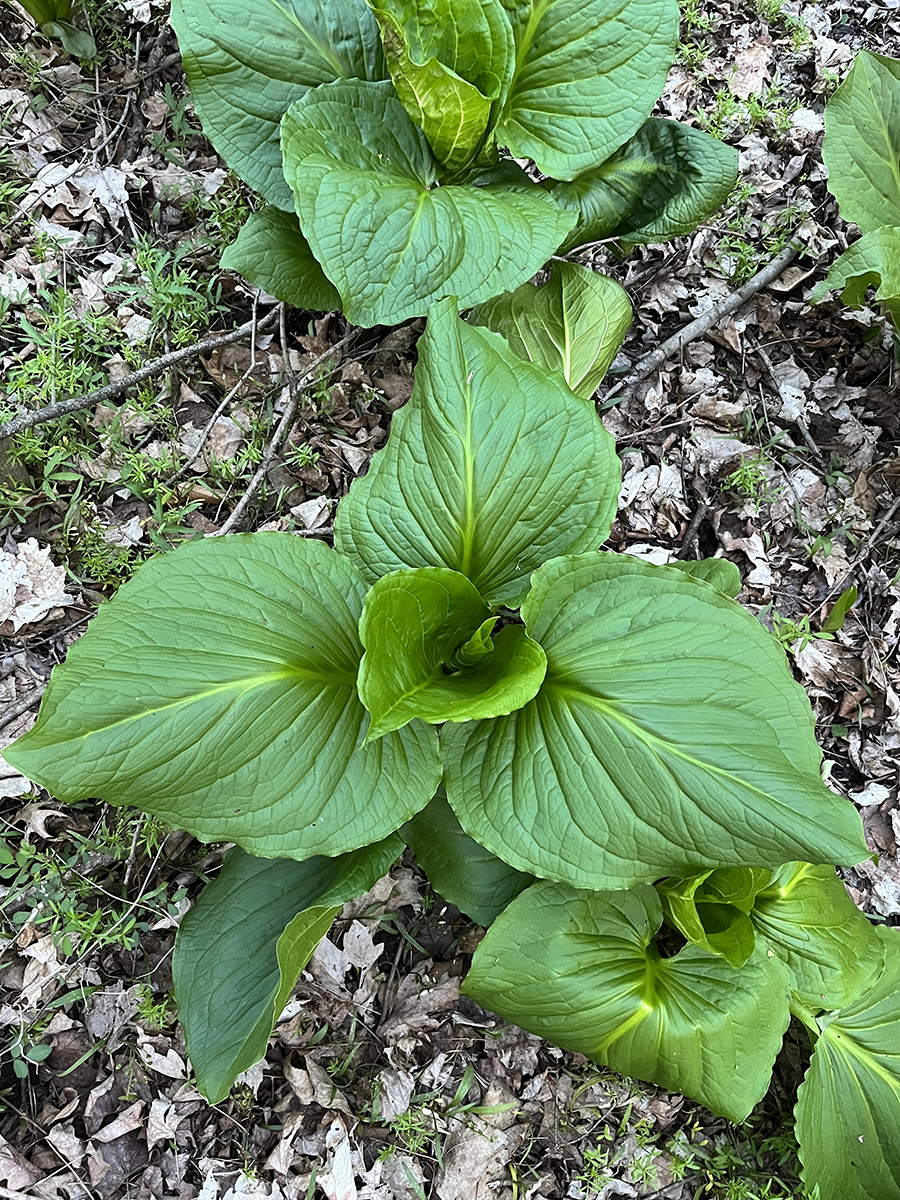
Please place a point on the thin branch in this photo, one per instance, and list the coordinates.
(26, 419)
(675, 344)
(19, 707)
(284, 428)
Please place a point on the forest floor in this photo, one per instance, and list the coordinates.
(772, 439)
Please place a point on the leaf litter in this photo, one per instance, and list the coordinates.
(771, 441)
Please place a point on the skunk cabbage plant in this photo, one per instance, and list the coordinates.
(862, 153)
(391, 141)
(581, 748)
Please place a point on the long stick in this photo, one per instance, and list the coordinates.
(25, 420)
(676, 343)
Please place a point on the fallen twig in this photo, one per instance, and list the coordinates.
(284, 428)
(27, 419)
(673, 345)
(19, 707)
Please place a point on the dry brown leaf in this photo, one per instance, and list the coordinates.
(751, 69)
(31, 586)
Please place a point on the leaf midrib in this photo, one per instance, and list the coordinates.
(240, 687)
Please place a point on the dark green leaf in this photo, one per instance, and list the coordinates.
(573, 324)
(272, 253)
(662, 183)
(419, 625)
(217, 689)
(582, 969)
(243, 944)
(848, 1106)
(391, 243)
(247, 61)
(587, 74)
(492, 468)
(808, 919)
(669, 736)
(458, 868)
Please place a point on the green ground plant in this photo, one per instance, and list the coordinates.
(862, 153)
(386, 146)
(589, 755)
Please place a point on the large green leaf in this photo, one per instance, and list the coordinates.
(242, 946)
(451, 63)
(430, 653)
(808, 919)
(662, 183)
(588, 72)
(271, 252)
(463, 872)
(873, 261)
(573, 324)
(217, 689)
(582, 969)
(862, 142)
(247, 61)
(391, 243)
(668, 737)
(492, 468)
(848, 1106)
(712, 909)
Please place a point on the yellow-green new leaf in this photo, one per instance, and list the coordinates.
(217, 689)
(872, 261)
(430, 654)
(451, 63)
(573, 324)
(241, 947)
(492, 468)
(848, 1106)
(583, 970)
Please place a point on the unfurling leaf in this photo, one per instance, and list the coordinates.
(573, 324)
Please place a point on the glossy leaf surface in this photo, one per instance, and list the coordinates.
(459, 869)
(247, 63)
(582, 969)
(274, 255)
(362, 176)
(662, 183)
(808, 919)
(451, 63)
(848, 1106)
(719, 573)
(573, 324)
(492, 468)
(248, 731)
(242, 946)
(862, 142)
(414, 626)
(587, 74)
(668, 737)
